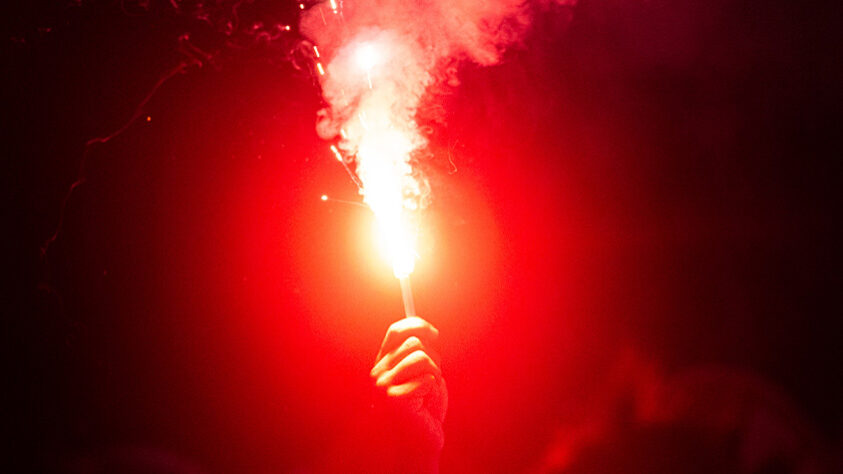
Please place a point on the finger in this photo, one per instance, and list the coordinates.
(404, 328)
(410, 345)
(416, 364)
(417, 387)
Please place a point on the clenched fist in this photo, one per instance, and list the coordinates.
(409, 384)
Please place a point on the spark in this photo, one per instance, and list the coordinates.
(325, 198)
(320, 68)
(351, 175)
(316, 51)
(301, 6)
(336, 153)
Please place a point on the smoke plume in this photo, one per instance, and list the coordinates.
(376, 59)
(419, 40)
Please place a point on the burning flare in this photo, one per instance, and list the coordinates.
(375, 61)
(381, 134)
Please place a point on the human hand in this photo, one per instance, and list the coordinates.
(409, 382)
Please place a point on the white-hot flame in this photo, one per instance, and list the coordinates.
(384, 169)
(384, 144)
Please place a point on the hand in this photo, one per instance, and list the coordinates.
(409, 382)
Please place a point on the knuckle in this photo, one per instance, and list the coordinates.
(419, 322)
(421, 357)
(394, 327)
(414, 343)
(401, 325)
(382, 382)
(413, 322)
(396, 392)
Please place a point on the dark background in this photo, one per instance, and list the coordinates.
(656, 177)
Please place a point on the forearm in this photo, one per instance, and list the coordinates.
(399, 446)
